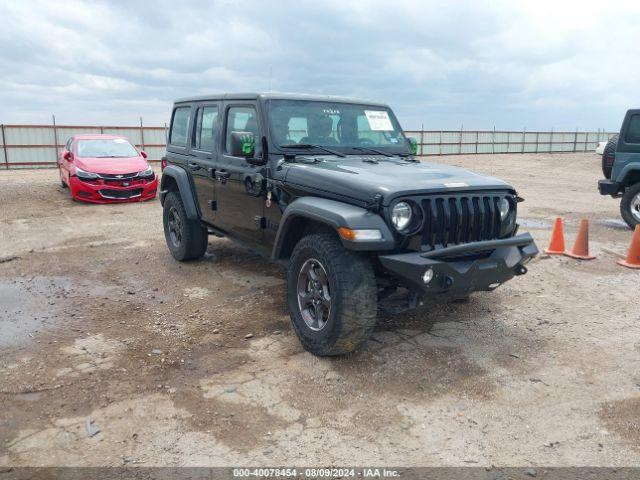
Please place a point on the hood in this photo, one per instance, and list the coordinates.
(113, 166)
(362, 177)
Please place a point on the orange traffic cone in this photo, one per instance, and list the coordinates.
(633, 257)
(581, 247)
(556, 247)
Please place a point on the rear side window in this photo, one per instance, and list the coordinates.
(633, 130)
(240, 119)
(206, 128)
(180, 127)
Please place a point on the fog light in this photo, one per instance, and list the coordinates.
(427, 276)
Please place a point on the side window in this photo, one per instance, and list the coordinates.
(240, 119)
(179, 127)
(633, 130)
(206, 128)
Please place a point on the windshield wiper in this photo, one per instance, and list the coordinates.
(374, 150)
(307, 146)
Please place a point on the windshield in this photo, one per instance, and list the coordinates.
(106, 148)
(343, 127)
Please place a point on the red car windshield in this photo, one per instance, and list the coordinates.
(106, 148)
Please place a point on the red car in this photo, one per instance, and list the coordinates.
(106, 169)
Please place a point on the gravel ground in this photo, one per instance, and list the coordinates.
(99, 322)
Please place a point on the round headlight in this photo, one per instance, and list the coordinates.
(401, 215)
(504, 208)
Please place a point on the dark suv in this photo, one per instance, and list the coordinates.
(331, 188)
(621, 168)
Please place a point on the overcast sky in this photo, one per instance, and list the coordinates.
(509, 64)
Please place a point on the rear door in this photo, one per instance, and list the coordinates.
(628, 150)
(203, 156)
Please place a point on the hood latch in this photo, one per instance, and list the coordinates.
(375, 204)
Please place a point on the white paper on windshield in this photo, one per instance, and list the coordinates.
(379, 120)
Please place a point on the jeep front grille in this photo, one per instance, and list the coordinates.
(455, 219)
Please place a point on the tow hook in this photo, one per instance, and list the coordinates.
(521, 270)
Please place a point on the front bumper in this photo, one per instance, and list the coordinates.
(456, 271)
(609, 187)
(101, 191)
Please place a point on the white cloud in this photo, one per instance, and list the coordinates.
(511, 64)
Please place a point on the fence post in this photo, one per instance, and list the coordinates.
(537, 141)
(55, 137)
(477, 134)
(4, 147)
(524, 135)
(460, 142)
(508, 141)
(575, 140)
(141, 134)
(440, 144)
(551, 142)
(421, 139)
(493, 141)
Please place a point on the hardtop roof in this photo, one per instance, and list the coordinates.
(276, 96)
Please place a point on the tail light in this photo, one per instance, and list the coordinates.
(610, 158)
(163, 163)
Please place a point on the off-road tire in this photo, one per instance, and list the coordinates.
(193, 239)
(626, 205)
(352, 285)
(609, 150)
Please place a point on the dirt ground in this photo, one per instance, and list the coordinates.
(97, 321)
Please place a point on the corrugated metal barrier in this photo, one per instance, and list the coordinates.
(461, 142)
(35, 146)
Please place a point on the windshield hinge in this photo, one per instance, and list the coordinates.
(375, 204)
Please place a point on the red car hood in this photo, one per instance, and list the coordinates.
(112, 165)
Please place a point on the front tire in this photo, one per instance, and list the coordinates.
(62, 182)
(331, 293)
(187, 239)
(630, 205)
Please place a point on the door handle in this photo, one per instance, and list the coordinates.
(194, 166)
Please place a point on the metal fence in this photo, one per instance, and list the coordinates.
(34, 146)
(457, 142)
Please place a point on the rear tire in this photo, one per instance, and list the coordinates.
(608, 156)
(345, 295)
(187, 239)
(630, 205)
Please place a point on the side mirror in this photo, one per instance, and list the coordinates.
(68, 156)
(413, 145)
(143, 154)
(243, 144)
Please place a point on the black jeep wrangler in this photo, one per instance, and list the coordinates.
(621, 168)
(331, 188)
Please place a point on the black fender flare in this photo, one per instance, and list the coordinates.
(185, 187)
(334, 214)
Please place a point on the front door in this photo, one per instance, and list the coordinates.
(203, 157)
(239, 186)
